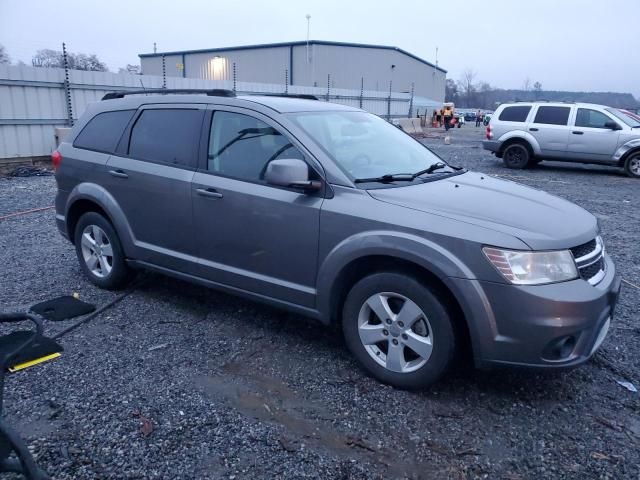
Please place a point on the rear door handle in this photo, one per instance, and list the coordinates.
(533, 129)
(577, 133)
(209, 192)
(118, 173)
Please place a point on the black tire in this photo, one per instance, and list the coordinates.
(516, 156)
(118, 275)
(632, 165)
(438, 321)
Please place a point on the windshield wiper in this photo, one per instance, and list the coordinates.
(430, 169)
(402, 177)
(399, 177)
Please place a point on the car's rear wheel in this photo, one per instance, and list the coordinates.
(516, 156)
(632, 165)
(100, 253)
(398, 330)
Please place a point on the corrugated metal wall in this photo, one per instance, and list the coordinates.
(347, 66)
(33, 102)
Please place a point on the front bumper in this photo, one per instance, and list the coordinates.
(491, 145)
(523, 325)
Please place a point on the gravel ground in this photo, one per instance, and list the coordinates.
(177, 381)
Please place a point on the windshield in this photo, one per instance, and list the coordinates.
(364, 145)
(625, 117)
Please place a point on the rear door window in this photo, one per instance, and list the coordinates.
(550, 115)
(169, 136)
(515, 114)
(103, 131)
(591, 118)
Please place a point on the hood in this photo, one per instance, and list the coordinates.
(541, 220)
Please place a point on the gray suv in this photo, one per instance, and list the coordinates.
(523, 134)
(333, 213)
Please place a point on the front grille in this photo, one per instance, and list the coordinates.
(590, 260)
(584, 249)
(587, 273)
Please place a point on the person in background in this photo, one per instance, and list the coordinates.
(447, 118)
(478, 118)
(439, 118)
(434, 118)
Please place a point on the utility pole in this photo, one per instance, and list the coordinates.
(308, 25)
(436, 65)
(155, 49)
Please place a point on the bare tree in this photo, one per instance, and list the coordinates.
(91, 62)
(4, 56)
(484, 93)
(526, 85)
(467, 85)
(48, 58)
(537, 89)
(451, 93)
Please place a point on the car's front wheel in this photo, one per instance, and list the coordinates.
(632, 165)
(100, 253)
(398, 330)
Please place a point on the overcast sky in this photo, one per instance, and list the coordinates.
(591, 45)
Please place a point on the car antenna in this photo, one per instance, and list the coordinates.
(142, 85)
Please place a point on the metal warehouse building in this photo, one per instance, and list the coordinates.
(314, 64)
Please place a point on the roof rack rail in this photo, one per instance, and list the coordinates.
(215, 92)
(304, 96)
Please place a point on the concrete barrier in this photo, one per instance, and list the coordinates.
(407, 125)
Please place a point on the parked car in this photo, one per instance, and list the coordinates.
(470, 117)
(523, 134)
(333, 213)
(634, 116)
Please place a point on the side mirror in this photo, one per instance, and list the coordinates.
(612, 125)
(290, 172)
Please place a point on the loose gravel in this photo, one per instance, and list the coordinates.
(177, 381)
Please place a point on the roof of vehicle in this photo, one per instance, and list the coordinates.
(556, 104)
(281, 104)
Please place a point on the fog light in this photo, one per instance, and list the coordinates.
(560, 348)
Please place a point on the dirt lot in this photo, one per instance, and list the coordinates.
(177, 381)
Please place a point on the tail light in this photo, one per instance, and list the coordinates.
(56, 158)
(489, 135)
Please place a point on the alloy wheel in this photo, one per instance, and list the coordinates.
(634, 165)
(395, 332)
(97, 251)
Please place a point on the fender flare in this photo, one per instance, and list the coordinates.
(101, 197)
(521, 135)
(626, 149)
(404, 246)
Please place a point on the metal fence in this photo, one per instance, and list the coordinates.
(33, 101)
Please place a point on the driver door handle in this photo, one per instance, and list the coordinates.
(576, 132)
(118, 173)
(208, 192)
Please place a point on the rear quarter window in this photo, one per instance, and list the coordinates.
(103, 131)
(515, 114)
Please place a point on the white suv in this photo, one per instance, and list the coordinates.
(523, 134)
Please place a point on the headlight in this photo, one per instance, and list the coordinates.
(533, 268)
